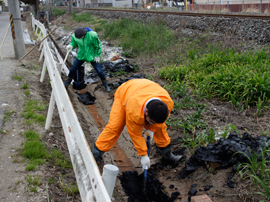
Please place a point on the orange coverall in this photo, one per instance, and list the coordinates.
(128, 109)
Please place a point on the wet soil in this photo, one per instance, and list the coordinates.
(217, 115)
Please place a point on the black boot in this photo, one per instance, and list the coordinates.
(97, 153)
(106, 85)
(67, 82)
(167, 154)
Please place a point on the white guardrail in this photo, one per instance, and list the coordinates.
(89, 180)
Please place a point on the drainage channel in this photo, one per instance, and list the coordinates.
(121, 158)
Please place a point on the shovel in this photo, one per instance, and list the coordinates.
(146, 169)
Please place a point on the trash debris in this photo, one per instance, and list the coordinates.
(86, 98)
(115, 57)
(27, 39)
(226, 152)
(122, 65)
(207, 187)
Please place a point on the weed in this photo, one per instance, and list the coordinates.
(83, 17)
(8, 115)
(121, 72)
(30, 112)
(58, 159)
(31, 167)
(33, 182)
(256, 170)
(139, 38)
(16, 77)
(37, 152)
(25, 86)
(59, 12)
(241, 78)
(27, 92)
(51, 180)
(70, 189)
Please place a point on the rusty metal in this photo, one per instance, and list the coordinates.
(194, 14)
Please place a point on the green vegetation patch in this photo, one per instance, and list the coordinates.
(33, 182)
(17, 77)
(59, 12)
(136, 37)
(8, 115)
(39, 154)
(32, 112)
(241, 78)
(83, 17)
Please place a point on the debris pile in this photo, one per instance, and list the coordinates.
(226, 152)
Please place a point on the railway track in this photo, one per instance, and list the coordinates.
(180, 13)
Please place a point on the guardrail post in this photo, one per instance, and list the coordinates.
(43, 71)
(242, 6)
(261, 6)
(50, 112)
(228, 5)
(40, 46)
(41, 55)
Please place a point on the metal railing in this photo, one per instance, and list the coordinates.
(89, 180)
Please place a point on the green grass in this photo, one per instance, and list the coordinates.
(25, 86)
(51, 180)
(240, 78)
(8, 115)
(33, 182)
(70, 189)
(257, 172)
(32, 112)
(39, 154)
(59, 12)
(83, 17)
(139, 38)
(27, 92)
(16, 77)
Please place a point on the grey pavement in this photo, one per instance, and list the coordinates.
(8, 64)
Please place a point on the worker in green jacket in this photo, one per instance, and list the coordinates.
(89, 51)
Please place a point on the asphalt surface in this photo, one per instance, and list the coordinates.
(8, 64)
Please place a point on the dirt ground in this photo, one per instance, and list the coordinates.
(218, 115)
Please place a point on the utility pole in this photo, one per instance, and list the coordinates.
(70, 6)
(15, 20)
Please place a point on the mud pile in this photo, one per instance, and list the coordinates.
(133, 184)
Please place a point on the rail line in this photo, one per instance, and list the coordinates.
(194, 14)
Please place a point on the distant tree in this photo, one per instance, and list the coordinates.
(1, 2)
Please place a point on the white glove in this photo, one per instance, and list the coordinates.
(145, 161)
(69, 47)
(97, 59)
(149, 133)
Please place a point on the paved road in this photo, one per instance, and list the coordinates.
(8, 64)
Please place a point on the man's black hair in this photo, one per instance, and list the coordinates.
(80, 32)
(157, 111)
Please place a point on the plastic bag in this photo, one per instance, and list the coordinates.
(27, 39)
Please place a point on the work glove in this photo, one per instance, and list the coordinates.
(69, 47)
(97, 59)
(149, 133)
(145, 161)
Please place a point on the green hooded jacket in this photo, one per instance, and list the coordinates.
(89, 46)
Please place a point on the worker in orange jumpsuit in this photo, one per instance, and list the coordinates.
(138, 103)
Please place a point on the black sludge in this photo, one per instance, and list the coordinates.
(132, 184)
(226, 152)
